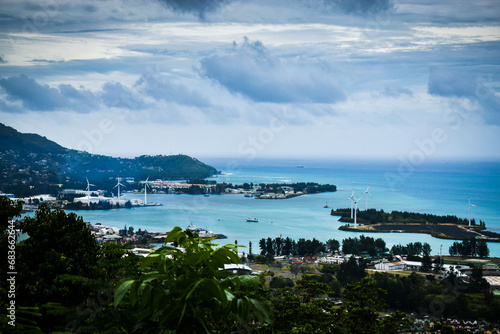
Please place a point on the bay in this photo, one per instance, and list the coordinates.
(437, 188)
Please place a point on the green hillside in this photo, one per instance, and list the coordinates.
(31, 164)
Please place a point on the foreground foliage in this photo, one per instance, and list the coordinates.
(68, 283)
(182, 288)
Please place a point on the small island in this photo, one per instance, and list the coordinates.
(258, 191)
(444, 227)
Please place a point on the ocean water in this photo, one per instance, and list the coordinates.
(436, 188)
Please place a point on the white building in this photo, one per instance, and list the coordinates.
(97, 199)
(337, 259)
(387, 265)
(42, 198)
(238, 269)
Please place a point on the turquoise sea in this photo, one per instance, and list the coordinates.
(436, 188)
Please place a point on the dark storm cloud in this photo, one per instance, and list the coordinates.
(359, 7)
(198, 7)
(23, 93)
(250, 71)
(35, 96)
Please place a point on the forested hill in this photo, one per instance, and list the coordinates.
(11, 139)
(31, 164)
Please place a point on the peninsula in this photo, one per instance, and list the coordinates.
(444, 227)
(32, 164)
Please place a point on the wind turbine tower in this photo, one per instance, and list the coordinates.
(468, 210)
(118, 185)
(350, 198)
(146, 185)
(367, 191)
(88, 191)
(356, 200)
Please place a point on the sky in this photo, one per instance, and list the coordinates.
(404, 80)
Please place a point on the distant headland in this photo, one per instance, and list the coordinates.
(32, 164)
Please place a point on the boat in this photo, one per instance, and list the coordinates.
(326, 205)
(249, 194)
(252, 220)
(300, 166)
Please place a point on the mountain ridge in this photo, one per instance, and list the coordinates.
(32, 164)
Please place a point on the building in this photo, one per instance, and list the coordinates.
(41, 198)
(493, 281)
(388, 265)
(238, 269)
(332, 259)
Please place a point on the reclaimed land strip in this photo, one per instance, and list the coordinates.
(444, 227)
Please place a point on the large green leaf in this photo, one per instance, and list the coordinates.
(121, 291)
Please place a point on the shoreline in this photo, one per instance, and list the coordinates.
(434, 233)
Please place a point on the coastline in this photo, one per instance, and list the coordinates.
(435, 234)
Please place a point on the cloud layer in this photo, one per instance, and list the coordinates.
(319, 68)
(250, 70)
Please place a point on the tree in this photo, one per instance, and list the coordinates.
(260, 258)
(68, 248)
(280, 282)
(482, 249)
(295, 269)
(262, 245)
(8, 210)
(269, 258)
(426, 249)
(310, 289)
(380, 244)
(426, 264)
(185, 290)
(351, 271)
(270, 246)
(332, 245)
(359, 311)
(477, 282)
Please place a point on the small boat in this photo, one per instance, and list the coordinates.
(252, 220)
(326, 205)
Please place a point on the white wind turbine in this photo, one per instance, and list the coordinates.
(146, 185)
(118, 185)
(355, 201)
(468, 210)
(350, 198)
(88, 190)
(367, 191)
